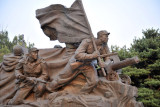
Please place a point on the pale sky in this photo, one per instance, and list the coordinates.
(124, 19)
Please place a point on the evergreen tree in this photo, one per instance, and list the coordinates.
(146, 74)
(4, 40)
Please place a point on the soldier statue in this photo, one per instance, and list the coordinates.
(7, 74)
(31, 74)
(83, 63)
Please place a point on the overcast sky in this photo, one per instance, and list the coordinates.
(124, 19)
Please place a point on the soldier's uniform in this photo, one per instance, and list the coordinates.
(36, 70)
(84, 53)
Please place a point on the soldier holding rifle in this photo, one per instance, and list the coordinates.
(31, 74)
(83, 59)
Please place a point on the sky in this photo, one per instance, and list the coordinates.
(124, 19)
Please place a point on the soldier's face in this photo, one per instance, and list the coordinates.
(34, 55)
(104, 38)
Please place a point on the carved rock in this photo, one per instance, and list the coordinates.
(107, 94)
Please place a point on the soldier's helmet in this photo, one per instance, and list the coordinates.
(17, 50)
(32, 50)
(102, 32)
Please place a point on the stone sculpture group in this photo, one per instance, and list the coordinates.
(82, 74)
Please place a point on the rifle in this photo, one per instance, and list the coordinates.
(30, 81)
(33, 79)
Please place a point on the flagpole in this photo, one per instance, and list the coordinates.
(93, 40)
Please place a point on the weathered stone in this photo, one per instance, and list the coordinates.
(67, 77)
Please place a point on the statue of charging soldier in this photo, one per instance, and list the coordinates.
(31, 74)
(83, 62)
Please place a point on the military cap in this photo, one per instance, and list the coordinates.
(32, 50)
(103, 32)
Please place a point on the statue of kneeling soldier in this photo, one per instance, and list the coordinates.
(31, 74)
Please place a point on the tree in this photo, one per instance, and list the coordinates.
(20, 40)
(146, 74)
(6, 46)
(4, 50)
(4, 40)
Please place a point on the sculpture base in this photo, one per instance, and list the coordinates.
(106, 94)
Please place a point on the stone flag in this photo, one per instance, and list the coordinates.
(67, 25)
